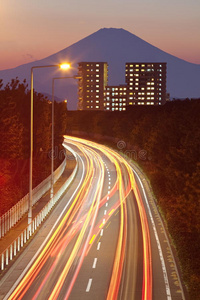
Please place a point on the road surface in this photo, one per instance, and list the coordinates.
(109, 242)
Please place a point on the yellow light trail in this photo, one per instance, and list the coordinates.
(80, 220)
(147, 274)
(74, 252)
(111, 212)
(43, 256)
(92, 239)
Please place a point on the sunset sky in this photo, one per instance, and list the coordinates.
(34, 29)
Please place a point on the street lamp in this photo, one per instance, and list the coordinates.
(52, 132)
(63, 66)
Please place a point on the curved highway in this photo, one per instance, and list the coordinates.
(107, 244)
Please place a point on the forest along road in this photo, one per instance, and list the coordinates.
(108, 242)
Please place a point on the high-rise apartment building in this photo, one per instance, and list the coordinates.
(115, 98)
(91, 85)
(146, 83)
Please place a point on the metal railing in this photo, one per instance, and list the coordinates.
(16, 212)
(11, 251)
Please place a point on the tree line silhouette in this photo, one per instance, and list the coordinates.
(15, 140)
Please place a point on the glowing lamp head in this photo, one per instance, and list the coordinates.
(65, 66)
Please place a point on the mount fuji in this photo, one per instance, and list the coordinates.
(116, 47)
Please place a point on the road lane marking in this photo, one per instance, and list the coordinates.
(89, 285)
(94, 263)
(105, 212)
(101, 233)
(104, 220)
(92, 239)
(99, 245)
(106, 204)
(107, 198)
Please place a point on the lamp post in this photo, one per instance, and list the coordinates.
(52, 132)
(63, 67)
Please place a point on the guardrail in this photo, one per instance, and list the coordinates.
(16, 212)
(11, 251)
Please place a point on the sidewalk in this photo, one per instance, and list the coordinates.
(15, 231)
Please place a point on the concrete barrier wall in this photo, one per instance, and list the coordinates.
(16, 212)
(11, 251)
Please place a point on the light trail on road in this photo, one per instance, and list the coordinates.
(58, 265)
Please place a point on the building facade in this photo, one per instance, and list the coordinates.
(91, 85)
(115, 98)
(146, 83)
